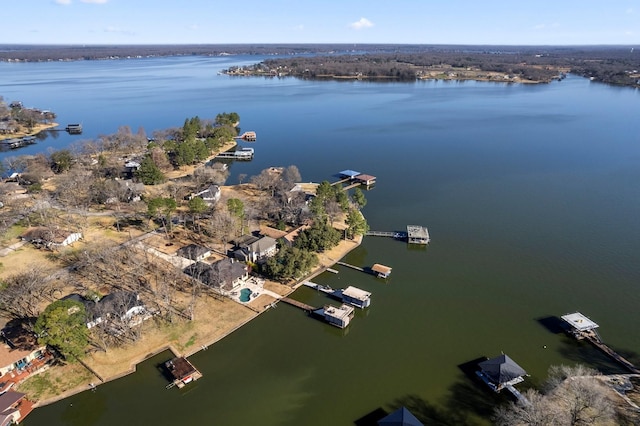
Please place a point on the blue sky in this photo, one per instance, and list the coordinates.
(515, 22)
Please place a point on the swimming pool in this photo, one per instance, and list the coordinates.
(245, 294)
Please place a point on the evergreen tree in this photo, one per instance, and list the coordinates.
(62, 326)
(149, 173)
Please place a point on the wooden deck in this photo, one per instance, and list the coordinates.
(357, 268)
(298, 304)
(595, 341)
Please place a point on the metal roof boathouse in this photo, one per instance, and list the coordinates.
(417, 234)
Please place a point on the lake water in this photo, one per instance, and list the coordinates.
(531, 194)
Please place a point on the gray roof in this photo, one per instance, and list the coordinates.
(400, 417)
(192, 251)
(221, 274)
(501, 369)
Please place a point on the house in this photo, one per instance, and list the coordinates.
(224, 275)
(256, 249)
(115, 309)
(51, 238)
(194, 252)
(19, 350)
(400, 417)
(210, 195)
(13, 408)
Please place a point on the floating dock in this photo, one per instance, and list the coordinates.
(298, 304)
(582, 328)
(182, 371)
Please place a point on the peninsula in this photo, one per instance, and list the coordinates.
(153, 251)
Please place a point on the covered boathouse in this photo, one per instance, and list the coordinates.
(501, 372)
(580, 325)
(337, 316)
(182, 371)
(417, 234)
(381, 271)
(356, 297)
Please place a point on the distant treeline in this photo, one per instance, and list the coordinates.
(609, 64)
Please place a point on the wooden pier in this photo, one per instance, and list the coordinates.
(595, 341)
(415, 234)
(357, 268)
(583, 328)
(298, 304)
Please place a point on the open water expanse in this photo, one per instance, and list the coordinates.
(531, 194)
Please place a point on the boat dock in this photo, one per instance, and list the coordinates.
(182, 371)
(298, 304)
(351, 295)
(19, 142)
(74, 129)
(243, 154)
(339, 316)
(582, 328)
(357, 268)
(247, 136)
(415, 234)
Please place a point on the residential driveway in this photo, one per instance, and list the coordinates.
(177, 261)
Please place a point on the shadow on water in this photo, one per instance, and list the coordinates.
(583, 352)
(553, 324)
(470, 403)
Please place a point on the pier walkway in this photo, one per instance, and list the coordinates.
(298, 304)
(357, 268)
(595, 341)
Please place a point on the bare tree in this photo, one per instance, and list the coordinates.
(23, 294)
(535, 412)
(573, 396)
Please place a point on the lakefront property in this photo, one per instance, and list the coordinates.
(462, 181)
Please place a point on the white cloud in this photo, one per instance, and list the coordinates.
(299, 27)
(360, 24)
(630, 11)
(95, 1)
(64, 2)
(539, 27)
(194, 27)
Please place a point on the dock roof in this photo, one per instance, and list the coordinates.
(356, 293)
(338, 312)
(417, 231)
(381, 269)
(579, 321)
(400, 417)
(501, 369)
(349, 173)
